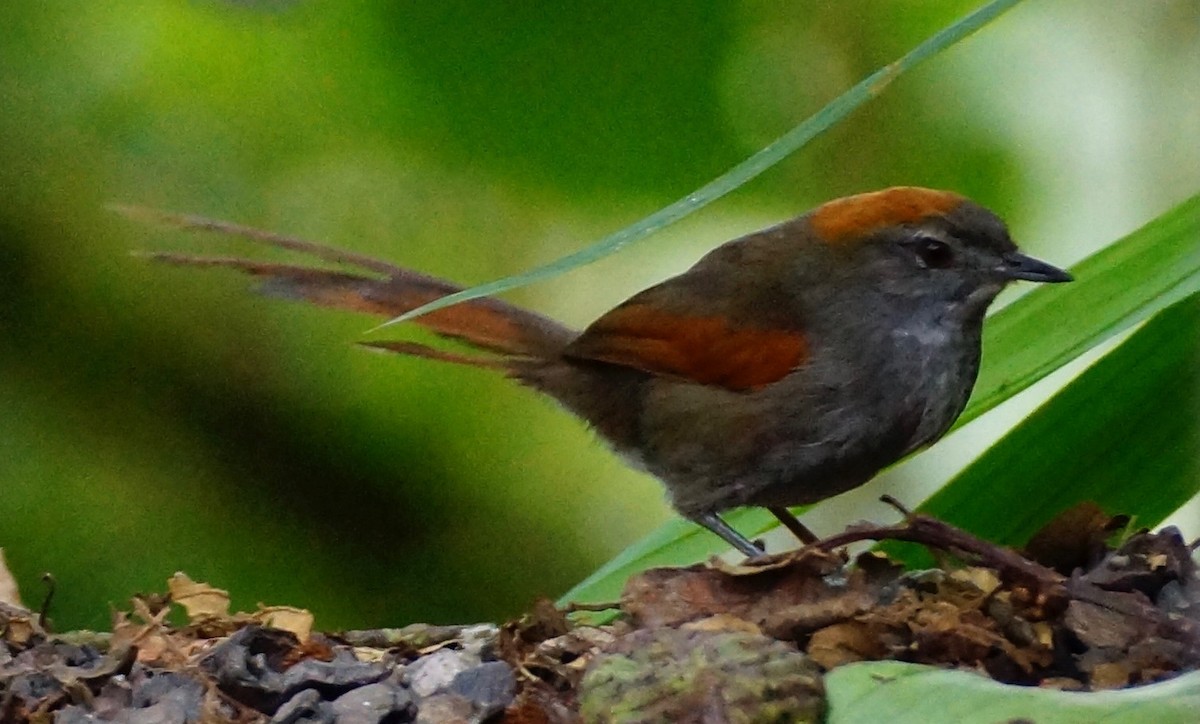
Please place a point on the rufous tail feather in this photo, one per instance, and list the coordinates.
(381, 289)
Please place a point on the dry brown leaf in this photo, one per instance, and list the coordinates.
(845, 643)
(673, 596)
(822, 562)
(9, 592)
(297, 620)
(199, 600)
(1112, 675)
(18, 626)
(796, 621)
(154, 642)
(369, 655)
(1074, 538)
(984, 579)
(722, 622)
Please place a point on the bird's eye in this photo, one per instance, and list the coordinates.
(933, 253)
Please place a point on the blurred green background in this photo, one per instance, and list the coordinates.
(156, 419)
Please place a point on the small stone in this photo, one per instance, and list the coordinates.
(169, 689)
(477, 642)
(374, 703)
(163, 712)
(114, 697)
(446, 709)
(31, 687)
(489, 687)
(332, 678)
(433, 673)
(75, 714)
(306, 707)
(244, 665)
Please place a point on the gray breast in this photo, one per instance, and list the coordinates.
(934, 369)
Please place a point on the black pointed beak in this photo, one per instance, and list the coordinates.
(1019, 266)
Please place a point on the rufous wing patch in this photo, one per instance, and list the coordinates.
(708, 350)
(855, 217)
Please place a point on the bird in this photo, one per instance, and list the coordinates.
(784, 367)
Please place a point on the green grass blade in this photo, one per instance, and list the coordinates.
(781, 147)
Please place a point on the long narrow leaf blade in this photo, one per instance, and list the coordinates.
(780, 148)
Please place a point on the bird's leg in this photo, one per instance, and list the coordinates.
(798, 529)
(714, 523)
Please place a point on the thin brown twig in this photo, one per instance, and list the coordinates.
(896, 504)
(934, 533)
(574, 607)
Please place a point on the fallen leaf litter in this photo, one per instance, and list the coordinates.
(688, 643)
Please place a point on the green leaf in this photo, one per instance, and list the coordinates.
(900, 693)
(1116, 288)
(780, 148)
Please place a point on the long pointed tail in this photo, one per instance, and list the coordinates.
(377, 288)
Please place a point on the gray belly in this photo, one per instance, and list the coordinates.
(821, 431)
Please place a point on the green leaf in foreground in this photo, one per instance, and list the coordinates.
(902, 693)
(1116, 288)
(780, 148)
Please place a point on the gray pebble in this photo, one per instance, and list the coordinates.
(446, 709)
(306, 707)
(479, 641)
(489, 687)
(332, 677)
(374, 703)
(75, 714)
(433, 673)
(167, 690)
